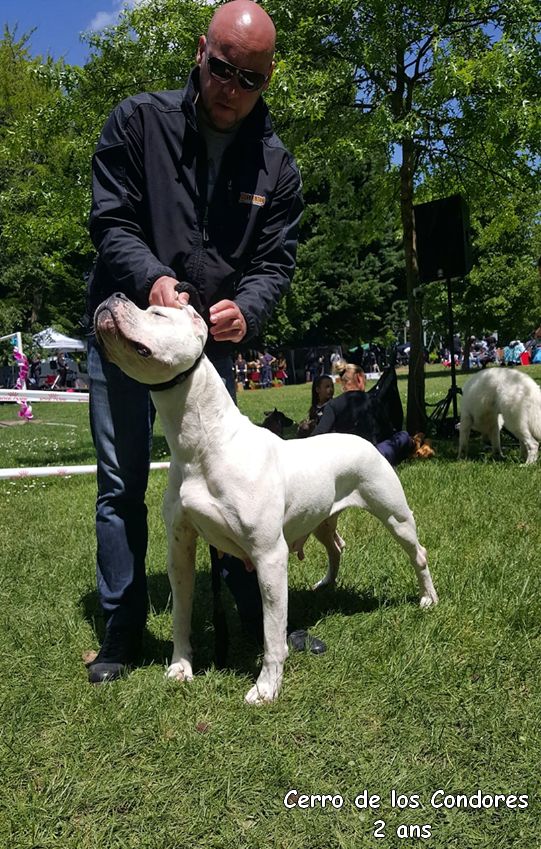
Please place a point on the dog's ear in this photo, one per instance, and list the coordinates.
(195, 298)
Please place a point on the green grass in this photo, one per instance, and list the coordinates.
(406, 700)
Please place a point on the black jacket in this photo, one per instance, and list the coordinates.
(355, 412)
(150, 217)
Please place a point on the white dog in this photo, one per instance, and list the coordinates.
(240, 487)
(502, 397)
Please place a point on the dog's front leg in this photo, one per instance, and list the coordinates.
(272, 578)
(182, 540)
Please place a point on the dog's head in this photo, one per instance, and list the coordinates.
(154, 345)
(276, 421)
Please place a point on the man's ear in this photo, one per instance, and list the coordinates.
(272, 67)
(201, 45)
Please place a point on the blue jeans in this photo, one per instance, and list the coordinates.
(121, 419)
(397, 448)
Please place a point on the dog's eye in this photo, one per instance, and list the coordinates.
(141, 349)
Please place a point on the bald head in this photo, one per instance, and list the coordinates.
(246, 22)
(242, 35)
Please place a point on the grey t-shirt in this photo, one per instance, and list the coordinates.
(217, 142)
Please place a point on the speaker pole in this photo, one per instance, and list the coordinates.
(438, 421)
(452, 350)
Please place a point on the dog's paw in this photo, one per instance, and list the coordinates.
(267, 686)
(428, 600)
(180, 671)
(260, 695)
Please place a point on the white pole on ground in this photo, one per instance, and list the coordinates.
(43, 395)
(59, 471)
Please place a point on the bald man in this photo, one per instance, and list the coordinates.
(189, 187)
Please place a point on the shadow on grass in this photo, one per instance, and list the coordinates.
(479, 450)
(306, 608)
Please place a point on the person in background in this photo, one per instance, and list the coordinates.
(281, 368)
(335, 358)
(35, 371)
(512, 352)
(311, 365)
(265, 361)
(62, 367)
(359, 412)
(241, 369)
(322, 392)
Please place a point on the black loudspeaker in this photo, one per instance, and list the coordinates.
(443, 239)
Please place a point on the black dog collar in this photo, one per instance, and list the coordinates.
(179, 378)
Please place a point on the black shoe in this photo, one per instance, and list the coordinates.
(120, 651)
(303, 641)
(102, 672)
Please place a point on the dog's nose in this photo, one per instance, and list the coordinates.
(120, 295)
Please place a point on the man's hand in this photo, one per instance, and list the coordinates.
(163, 294)
(227, 323)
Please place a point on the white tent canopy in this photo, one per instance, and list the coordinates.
(51, 338)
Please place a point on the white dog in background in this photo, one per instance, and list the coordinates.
(502, 397)
(240, 487)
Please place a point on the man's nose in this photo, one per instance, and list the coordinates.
(232, 85)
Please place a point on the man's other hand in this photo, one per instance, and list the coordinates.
(227, 323)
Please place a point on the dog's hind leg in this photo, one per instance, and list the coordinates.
(404, 531)
(271, 570)
(529, 448)
(327, 534)
(464, 435)
(493, 433)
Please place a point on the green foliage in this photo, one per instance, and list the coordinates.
(44, 194)
(451, 89)
(152, 47)
(347, 277)
(502, 292)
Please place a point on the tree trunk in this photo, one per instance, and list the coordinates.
(465, 367)
(37, 303)
(416, 412)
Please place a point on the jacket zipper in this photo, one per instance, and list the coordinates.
(204, 225)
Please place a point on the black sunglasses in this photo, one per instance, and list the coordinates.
(224, 72)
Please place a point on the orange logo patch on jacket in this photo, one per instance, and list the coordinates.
(254, 200)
